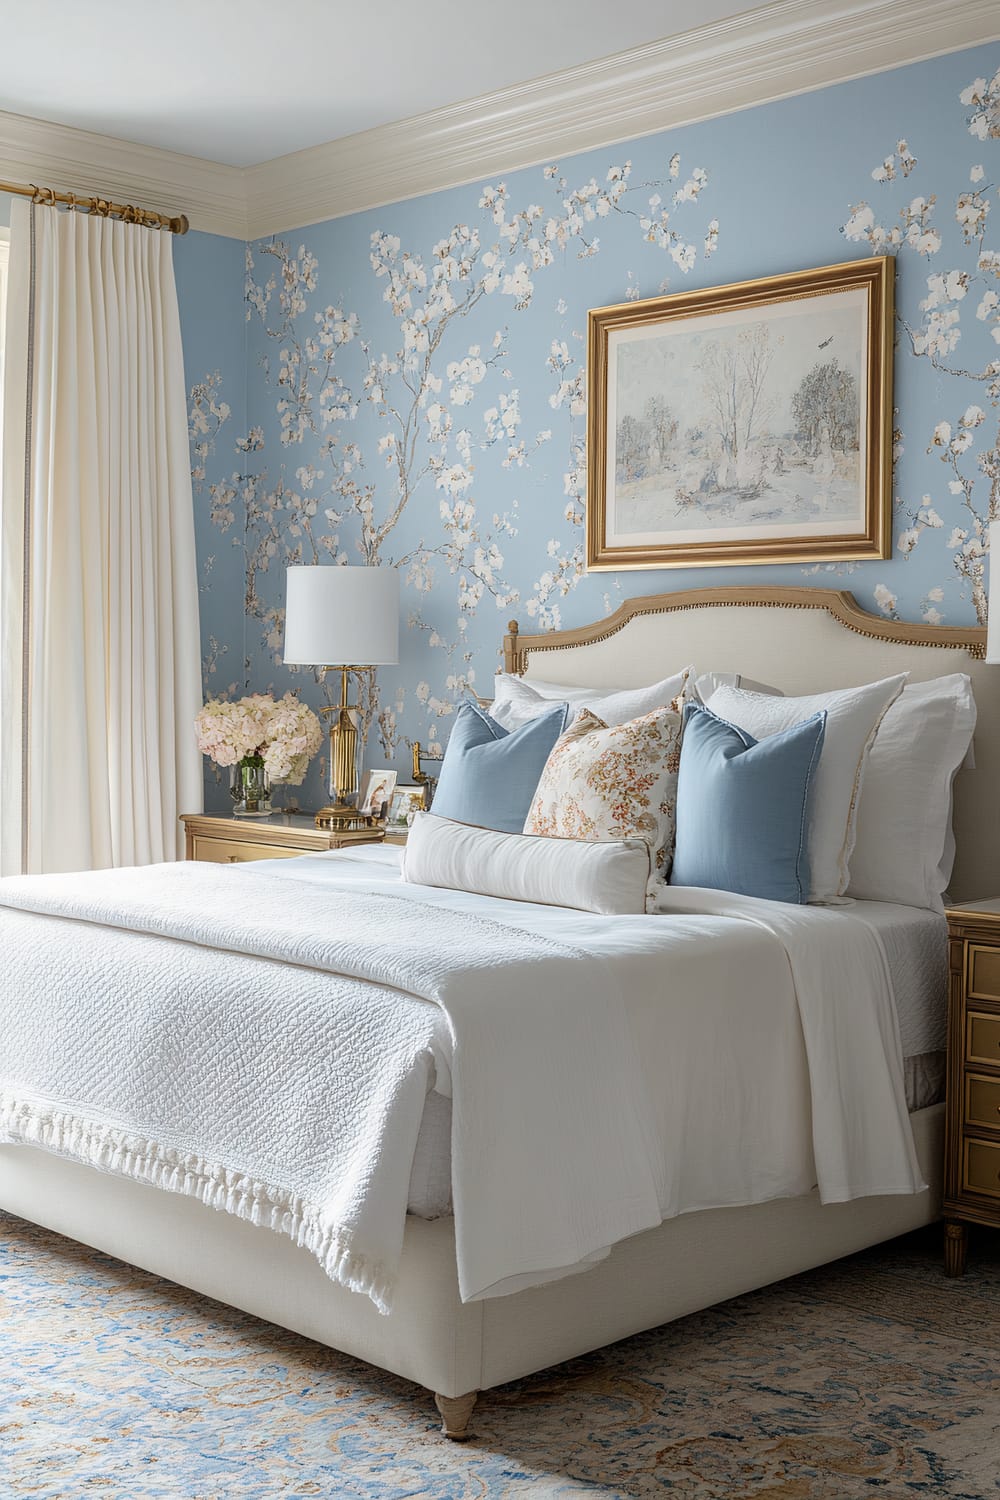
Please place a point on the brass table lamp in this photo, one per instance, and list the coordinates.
(343, 619)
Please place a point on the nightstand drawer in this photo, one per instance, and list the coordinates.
(982, 1101)
(233, 852)
(981, 1173)
(982, 1038)
(984, 971)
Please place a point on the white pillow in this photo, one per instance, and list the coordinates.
(905, 847)
(610, 879)
(702, 689)
(517, 701)
(852, 717)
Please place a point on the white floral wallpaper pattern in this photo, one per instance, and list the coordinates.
(408, 385)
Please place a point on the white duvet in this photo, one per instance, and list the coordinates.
(264, 1037)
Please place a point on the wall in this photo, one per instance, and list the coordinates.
(209, 273)
(415, 375)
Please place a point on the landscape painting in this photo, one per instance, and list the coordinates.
(747, 423)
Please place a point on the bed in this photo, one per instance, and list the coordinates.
(800, 640)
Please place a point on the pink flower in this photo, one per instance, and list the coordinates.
(286, 733)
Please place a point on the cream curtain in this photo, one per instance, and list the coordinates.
(99, 657)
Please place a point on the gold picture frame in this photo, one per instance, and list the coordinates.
(749, 423)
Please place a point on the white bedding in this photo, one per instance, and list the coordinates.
(727, 1102)
(915, 943)
(745, 1140)
(267, 1047)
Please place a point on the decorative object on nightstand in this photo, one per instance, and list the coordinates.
(222, 841)
(406, 802)
(346, 618)
(376, 792)
(262, 740)
(972, 1128)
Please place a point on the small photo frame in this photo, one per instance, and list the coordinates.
(376, 792)
(406, 801)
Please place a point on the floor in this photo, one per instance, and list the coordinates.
(873, 1377)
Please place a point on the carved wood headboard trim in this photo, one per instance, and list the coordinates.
(840, 604)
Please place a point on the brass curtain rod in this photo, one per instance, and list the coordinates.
(103, 207)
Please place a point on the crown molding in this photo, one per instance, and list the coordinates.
(79, 161)
(784, 48)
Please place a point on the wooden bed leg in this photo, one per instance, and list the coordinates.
(456, 1412)
(956, 1244)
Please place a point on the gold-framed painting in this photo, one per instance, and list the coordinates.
(749, 423)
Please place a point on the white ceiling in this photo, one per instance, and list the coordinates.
(243, 81)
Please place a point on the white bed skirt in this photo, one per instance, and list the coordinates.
(431, 1337)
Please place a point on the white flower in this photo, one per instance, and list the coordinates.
(885, 598)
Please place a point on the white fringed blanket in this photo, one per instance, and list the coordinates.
(266, 1046)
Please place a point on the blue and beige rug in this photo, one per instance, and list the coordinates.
(873, 1377)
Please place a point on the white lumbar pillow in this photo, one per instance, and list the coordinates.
(516, 701)
(905, 845)
(852, 717)
(610, 879)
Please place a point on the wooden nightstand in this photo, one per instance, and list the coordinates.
(972, 1129)
(281, 836)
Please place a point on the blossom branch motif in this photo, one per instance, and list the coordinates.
(937, 338)
(424, 404)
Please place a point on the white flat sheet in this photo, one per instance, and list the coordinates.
(916, 947)
(704, 1097)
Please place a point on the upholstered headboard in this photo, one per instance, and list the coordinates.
(801, 640)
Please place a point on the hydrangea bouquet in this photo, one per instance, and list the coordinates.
(265, 739)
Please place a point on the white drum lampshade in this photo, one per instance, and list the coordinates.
(341, 616)
(993, 609)
(346, 618)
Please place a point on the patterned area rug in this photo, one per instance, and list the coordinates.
(874, 1376)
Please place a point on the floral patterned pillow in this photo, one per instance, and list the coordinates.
(601, 784)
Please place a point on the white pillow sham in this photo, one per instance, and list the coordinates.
(852, 717)
(609, 879)
(701, 688)
(516, 701)
(905, 846)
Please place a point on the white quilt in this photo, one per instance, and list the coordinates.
(265, 1038)
(273, 1059)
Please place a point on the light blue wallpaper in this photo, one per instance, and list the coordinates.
(412, 390)
(209, 270)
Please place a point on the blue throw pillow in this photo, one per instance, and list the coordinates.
(743, 806)
(490, 773)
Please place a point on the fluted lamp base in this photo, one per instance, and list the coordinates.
(342, 816)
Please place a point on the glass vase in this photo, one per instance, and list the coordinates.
(250, 788)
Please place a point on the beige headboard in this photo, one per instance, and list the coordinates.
(801, 640)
